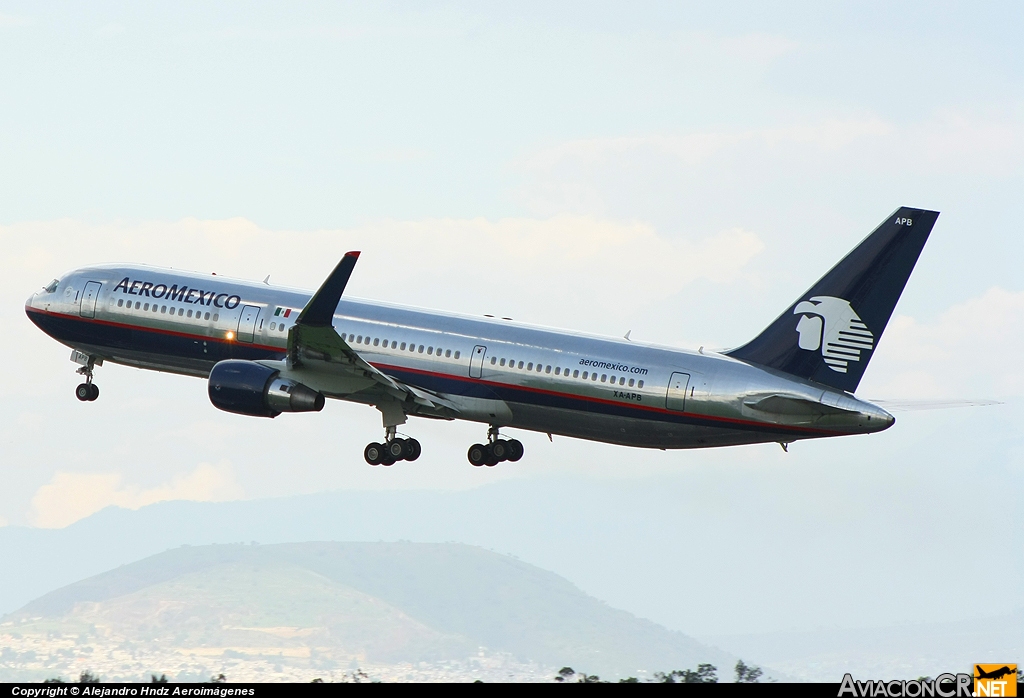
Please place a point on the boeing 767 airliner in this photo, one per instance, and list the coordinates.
(267, 350)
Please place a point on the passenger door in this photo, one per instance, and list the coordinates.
(247, 323)
(675, 399)
(476, 362)
(88, 307)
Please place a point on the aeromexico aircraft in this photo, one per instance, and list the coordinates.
(266, 350)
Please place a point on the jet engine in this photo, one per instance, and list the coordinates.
(249, 388)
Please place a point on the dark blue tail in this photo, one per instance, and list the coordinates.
(831, 331)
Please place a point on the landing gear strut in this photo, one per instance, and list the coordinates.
(392, 450)
(495, 450)
(87, 391)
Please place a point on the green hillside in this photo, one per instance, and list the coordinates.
(358, 603)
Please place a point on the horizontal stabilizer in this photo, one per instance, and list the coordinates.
(790, 405)
(916, 405)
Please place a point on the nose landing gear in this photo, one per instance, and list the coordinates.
(495, 450)
(87, 391)
(392, 450)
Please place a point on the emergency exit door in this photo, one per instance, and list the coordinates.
(247, 323)
(88, 308)
(476, 362)
(676, 397)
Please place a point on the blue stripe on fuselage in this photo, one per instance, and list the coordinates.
(76, 332)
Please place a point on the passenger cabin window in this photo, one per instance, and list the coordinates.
(503, 362)
(421, 349)
(640, 384)
(547, 369)
(494, 360)
(376, 341)
(430, 351)
(456, 355)
(520, 364)
(120, 303)
(576, 374)
(558, 370)
(403, 346)
(447, 353)
(630, 382)
(584, 375)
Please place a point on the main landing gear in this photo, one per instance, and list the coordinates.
(87, 391)
(495, 450)
(392, 450)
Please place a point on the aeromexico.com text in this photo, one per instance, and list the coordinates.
(622, 368)
(177, 294)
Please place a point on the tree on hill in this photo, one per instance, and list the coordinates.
(747, 674)
(705, 673)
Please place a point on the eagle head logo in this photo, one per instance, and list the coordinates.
(831, 325)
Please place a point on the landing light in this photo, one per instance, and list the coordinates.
(230, 335)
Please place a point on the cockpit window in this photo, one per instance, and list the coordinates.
(52, 286)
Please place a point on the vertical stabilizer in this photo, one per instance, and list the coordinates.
(829, 334)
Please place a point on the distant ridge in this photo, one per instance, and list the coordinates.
(385, 601)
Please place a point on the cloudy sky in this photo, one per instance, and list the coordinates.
(679, 170)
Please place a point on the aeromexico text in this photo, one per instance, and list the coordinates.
(622, 368)
(178, 294)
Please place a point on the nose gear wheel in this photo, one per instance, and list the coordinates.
(87, 391)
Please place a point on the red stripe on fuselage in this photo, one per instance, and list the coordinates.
(602, 401)
(540, 391)
(156, 330)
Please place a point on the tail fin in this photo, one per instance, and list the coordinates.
(829, 334)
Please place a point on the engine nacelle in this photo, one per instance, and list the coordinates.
(249, 388)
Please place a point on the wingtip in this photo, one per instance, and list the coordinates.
(353, 253)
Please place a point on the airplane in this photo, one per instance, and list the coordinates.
(265, 350)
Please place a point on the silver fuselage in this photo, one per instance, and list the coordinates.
(494, 371)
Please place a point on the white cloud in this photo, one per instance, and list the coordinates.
(540, 269)
(69, 496)
(13, 20)
(970, 351)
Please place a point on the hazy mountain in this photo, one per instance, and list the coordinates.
(925, 649)
(318, 606)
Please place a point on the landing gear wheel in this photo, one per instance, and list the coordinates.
(395, 449)
(478, 454)
(84, 392)
(515, 449)
(374, 453)
(499, 450)
(492, 460)
(95, 391)
(388, 459)
(412, 449)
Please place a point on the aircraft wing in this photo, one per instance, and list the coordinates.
(314, 346)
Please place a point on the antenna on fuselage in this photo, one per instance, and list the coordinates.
(626, 336)
(267, 280)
